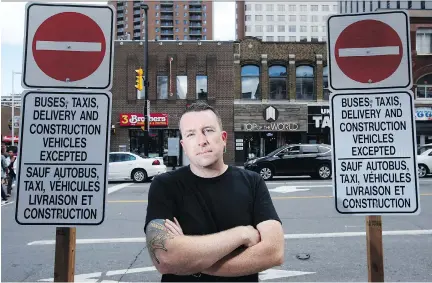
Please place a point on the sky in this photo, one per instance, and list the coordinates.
(12, 34)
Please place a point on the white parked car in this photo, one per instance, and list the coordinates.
(424, 162)
(129, 166)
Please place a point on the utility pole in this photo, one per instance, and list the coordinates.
(146, 82)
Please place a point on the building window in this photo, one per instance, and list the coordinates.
(182, 87)
(314, 28)
(424, 41)
(314, 8)
(269, 7)
(292, 18)
(303, 38)
(281, 38)
(292, 28)
(305, 83)
(270, 18)
(248, 29)
(292, 8)
(424, 86)
(201, 87)
(303, 8)
(325, 8)
(314, 39)
(258, 28)
(162, 87)
(258, 7)
(269, 38)
(303, 18)
(250, 82)
(292, 38)
(303, 28)
(326, 92)
(248, 18)
(314, 18)
(281, 28)
(270, 28)
(278, 82)
(248, 7)
(258, 18)
(281, 18)
(281, 7)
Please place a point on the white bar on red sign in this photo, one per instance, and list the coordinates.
(69, 46)
(369, 51)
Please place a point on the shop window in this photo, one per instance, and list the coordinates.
(424, 86)
(278, 82)
(250, 82)
(305, 83)
(201, 87)
(182, 87)
(326, 92)
(162, 87)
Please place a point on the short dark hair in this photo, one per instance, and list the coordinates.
(201, 106)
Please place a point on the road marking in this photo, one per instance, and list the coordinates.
(369, 51)
(287, 189)
(357, 234)
(69, 46)
(91, 241)
(117, 187)
(268, 274)
(286, 236)
(274, 198)
(6, 203)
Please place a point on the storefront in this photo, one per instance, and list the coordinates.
(159, 135)
(319, 124)
(260, 129)
(424, 125)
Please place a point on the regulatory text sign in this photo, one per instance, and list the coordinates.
(62, 173)
(374, 153)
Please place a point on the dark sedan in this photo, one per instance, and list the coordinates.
(294, 160)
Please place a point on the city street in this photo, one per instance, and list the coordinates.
(321, 245)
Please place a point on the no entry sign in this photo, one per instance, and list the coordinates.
(369, 51)
(68, 46)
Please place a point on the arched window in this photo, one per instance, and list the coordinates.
(424, 86)
(250, 82)
(278, 82)
(326, 92)
(305, 89)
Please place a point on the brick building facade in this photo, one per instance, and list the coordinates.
(421, 46)
(277, 86)
(207, 66)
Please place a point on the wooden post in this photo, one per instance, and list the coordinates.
(375, 258)
(64, 263)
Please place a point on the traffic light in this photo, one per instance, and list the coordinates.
(139, 79)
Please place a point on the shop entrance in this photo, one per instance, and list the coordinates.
(157, 144)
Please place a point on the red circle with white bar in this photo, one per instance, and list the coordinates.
(69, 46)
(368, 51)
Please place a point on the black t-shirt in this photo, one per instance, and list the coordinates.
(209, 205)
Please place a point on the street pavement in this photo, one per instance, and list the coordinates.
(321, 245)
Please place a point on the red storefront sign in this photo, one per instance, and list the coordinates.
(137, 120)
(9, 139)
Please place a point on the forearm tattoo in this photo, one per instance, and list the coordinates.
(156, 235)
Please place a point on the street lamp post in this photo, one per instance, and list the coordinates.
(146, 82)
